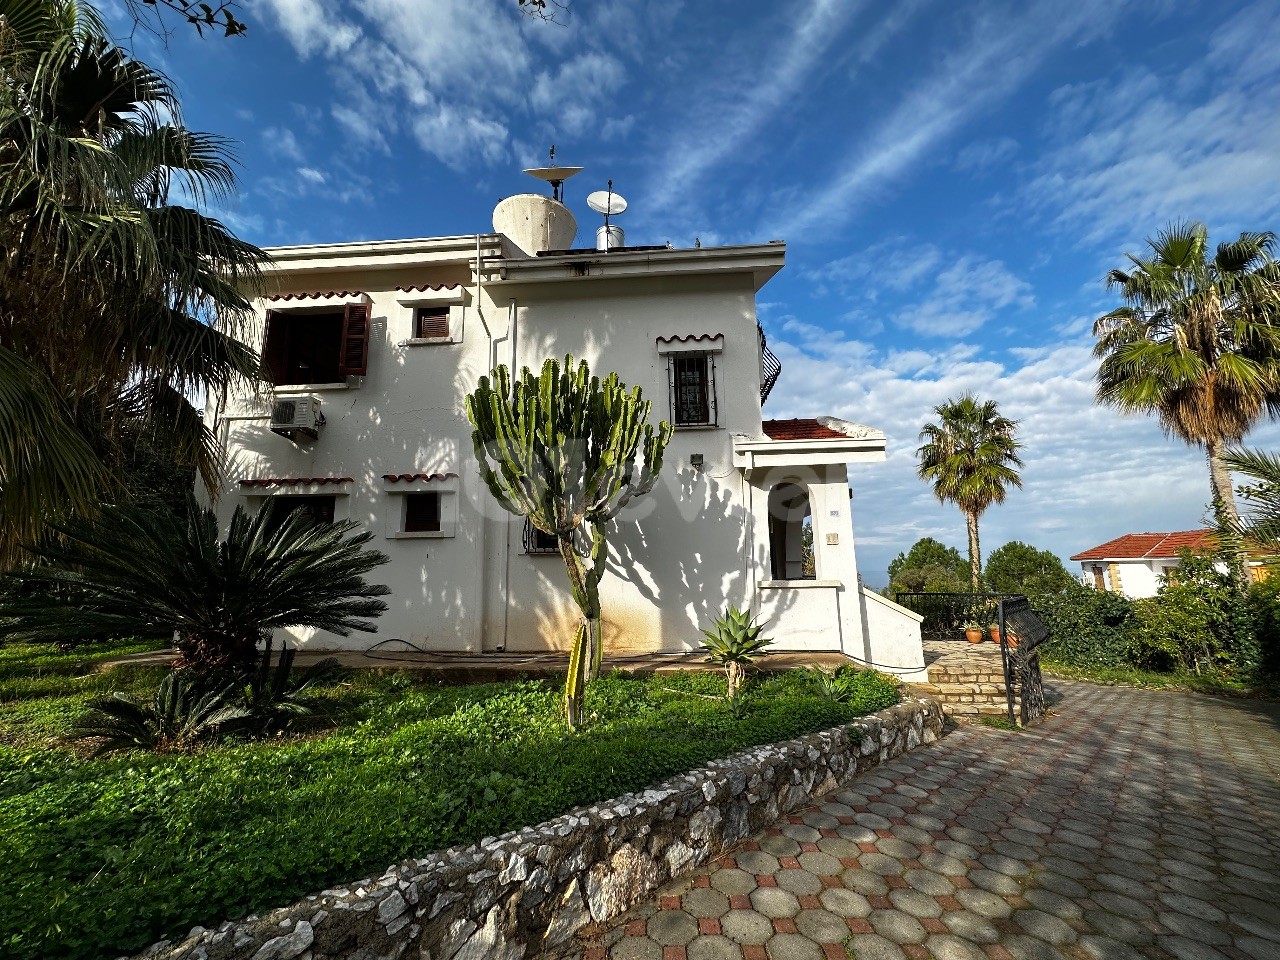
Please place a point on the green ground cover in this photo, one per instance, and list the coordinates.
(102, 857)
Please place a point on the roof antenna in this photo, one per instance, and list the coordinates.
(554, 175)
(608, 237)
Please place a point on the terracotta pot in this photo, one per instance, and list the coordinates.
(995, 634)
(1013, 641)
(973, 635)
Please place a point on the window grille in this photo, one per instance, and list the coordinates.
(693, 389)
(536, 542)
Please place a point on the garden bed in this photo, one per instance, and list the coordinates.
(103, 857)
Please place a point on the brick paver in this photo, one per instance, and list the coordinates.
(1130, 824)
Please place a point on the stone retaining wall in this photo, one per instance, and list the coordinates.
(968, 679)
(528, 891)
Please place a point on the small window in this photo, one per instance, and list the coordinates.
(431, 323)
(422, 513)
(319, 508)
(305, 348)
(693, 389)
(535, 541)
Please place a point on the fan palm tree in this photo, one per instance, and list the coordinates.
(116, 299)
(1196, 342)
(135, 570)
(971, 457)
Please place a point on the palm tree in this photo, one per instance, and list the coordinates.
(1196, 342)
(140, 571)
(970, 456)
(116, 299)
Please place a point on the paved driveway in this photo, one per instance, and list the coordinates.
(1130, 824)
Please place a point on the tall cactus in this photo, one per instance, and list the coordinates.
(561, 449)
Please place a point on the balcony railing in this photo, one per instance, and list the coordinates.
(772, 367)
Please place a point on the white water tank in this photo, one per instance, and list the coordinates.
(535, 223)
(609, 237)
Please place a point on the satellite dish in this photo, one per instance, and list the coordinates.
(607, 202)
(554, 175)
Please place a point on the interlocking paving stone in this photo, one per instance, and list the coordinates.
(1131, 825)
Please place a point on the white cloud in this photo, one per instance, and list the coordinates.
(1198, 139)
(1001, 52)
(922, 288)
(311, 175)
(982, 155)
(281, 142)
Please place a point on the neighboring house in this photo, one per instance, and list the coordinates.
(1135, 563)
(372, 347)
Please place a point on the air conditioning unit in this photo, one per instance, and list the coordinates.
(298, 418)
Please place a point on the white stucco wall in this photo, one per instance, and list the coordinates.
(1138, 578)
(698, 542)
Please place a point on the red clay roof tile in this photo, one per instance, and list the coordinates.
(1143, 546)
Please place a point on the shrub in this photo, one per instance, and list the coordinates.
(734, 643)
(1087, 627)
(183, 712)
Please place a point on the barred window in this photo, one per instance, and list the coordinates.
(693, 389)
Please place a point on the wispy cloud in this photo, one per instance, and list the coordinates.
(1002, 51)
(986, 155)
(733, 107)
(1198, 139)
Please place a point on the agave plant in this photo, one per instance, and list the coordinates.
(734, 643)
(274, 699)
(183, 712)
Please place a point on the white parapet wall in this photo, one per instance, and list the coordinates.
(892, 633)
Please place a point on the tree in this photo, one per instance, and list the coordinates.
(1018, 567)
(970, 456)
(1196, 342)
(115, 302)
(941, 561)
(141, 571)
(561, 449)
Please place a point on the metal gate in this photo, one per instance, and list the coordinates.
(1021, 633)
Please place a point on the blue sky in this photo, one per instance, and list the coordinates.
(953, 182)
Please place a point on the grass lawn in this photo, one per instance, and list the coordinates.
(103, 857)
(1150, 679)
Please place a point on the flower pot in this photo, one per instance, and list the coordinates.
(973, 635)
(1013, 641)
(995, 634)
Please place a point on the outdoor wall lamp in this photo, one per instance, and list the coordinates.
(696, 461)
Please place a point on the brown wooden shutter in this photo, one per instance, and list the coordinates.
(275, 346)
(432, 323)
(354, 360)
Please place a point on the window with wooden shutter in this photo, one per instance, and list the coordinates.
(431, 323)
(693, 390)
(354, 359)
(275, 347)
(422, 512)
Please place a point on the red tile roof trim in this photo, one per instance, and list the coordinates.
(317, 295)
(801, 429)
(1144, 546)
(397, 477)
(690, 337)
(293, 481)
(423, 288)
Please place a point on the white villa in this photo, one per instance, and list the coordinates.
(372, 348)
(1136, 563)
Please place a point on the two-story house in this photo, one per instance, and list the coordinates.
(372, 348)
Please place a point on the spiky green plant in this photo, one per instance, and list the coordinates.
(275, 698)
(1197, 341)
(145, 572)
(734, 643)
(568, 451)
(185, 710)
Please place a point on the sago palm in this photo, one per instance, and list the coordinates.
(1197, 342)
(971, 457)
(118, 296)
(138, 571)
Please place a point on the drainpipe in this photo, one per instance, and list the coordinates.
(512, 317)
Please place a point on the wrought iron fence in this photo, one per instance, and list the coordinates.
(945, 614)
(1017, 627)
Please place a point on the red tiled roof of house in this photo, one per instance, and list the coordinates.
(397, 477)
(1143, 546)
(317, 295)
(800, 429)
(424, 287)
(293, 481)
